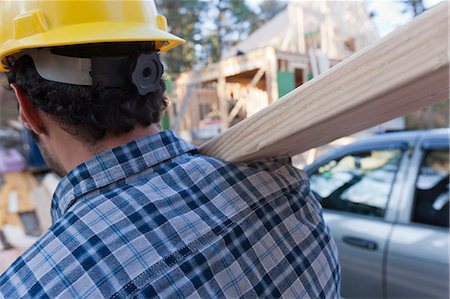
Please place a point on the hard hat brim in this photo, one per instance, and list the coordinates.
(105, 32)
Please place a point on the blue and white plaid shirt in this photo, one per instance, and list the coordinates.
(153, 218)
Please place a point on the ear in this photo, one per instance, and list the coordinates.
(30, 115)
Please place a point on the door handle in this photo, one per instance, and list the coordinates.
(362, 243)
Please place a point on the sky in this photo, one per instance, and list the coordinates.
(389, 14)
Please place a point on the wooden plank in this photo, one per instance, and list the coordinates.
(223, 101)
(240, 102)
(230, 66)
(185, 102)
(271, 75)
(405, 71)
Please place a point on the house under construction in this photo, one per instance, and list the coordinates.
(299, 43)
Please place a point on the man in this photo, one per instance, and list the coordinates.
(139, 213)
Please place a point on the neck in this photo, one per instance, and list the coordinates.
(70, 152)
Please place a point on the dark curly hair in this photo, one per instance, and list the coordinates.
(90, 112)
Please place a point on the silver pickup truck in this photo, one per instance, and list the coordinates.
(386, 201)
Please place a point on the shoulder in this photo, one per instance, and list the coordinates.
(274, 173)
(271, 169)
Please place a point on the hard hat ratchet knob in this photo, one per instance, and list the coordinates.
(146, 73)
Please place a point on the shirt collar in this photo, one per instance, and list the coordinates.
(116, 164)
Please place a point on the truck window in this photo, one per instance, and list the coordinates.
(431, 200)
(358, 183)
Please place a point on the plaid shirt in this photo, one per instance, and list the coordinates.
(153, 218)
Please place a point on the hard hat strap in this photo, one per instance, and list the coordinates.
(62, 69)
(109, 71)
(144, 70)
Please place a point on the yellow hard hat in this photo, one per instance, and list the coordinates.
(27, 24)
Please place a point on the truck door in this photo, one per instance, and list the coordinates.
(355, 188)
(417, 261)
